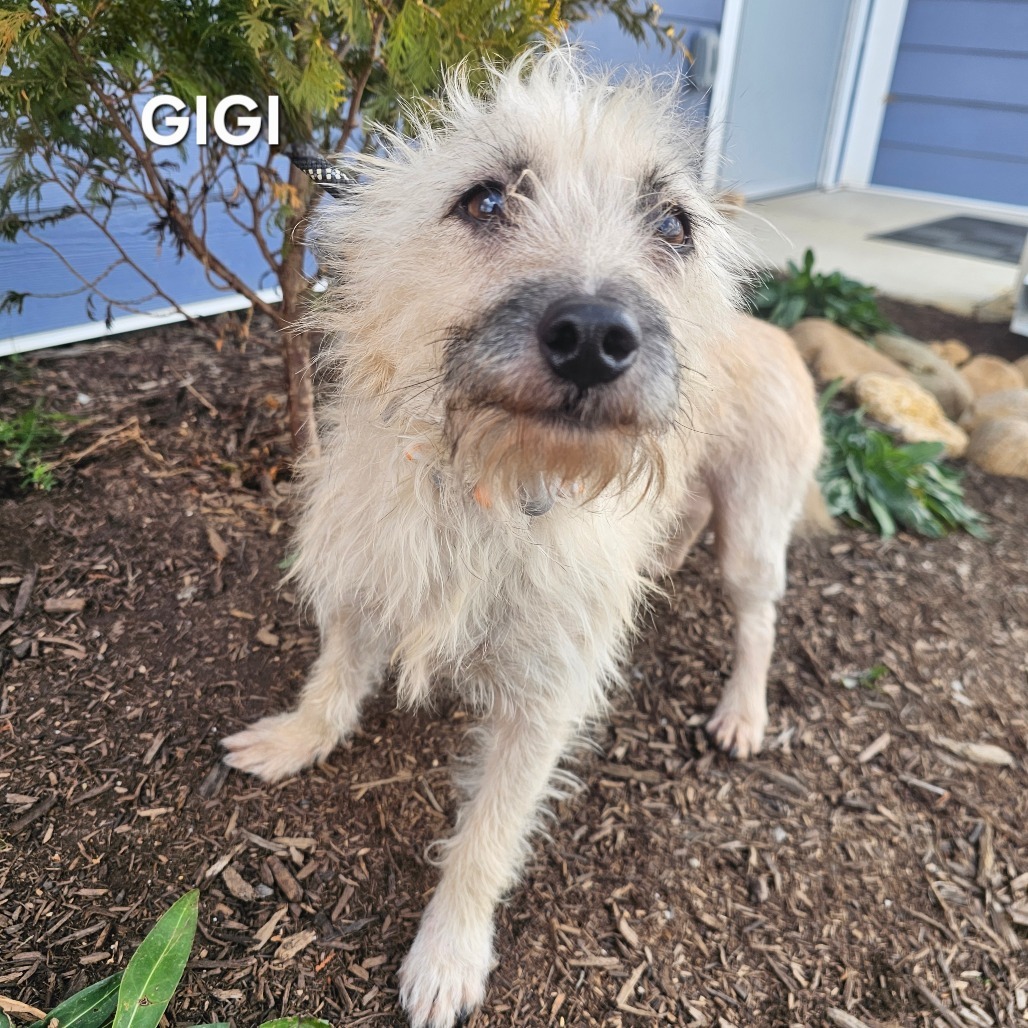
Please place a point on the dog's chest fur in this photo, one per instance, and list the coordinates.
(454, 586)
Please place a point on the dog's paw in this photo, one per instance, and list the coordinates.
(737, 728)
(443, 978)
(279, 746)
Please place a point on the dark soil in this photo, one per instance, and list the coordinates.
(931, 323)
(866, 865)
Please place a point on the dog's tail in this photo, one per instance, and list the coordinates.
(814, 518)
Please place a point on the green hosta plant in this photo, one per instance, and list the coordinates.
(138, 996)
(872, 481)
(804, 293)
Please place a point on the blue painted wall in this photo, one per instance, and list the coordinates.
(957, 118)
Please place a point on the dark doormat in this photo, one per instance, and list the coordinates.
(976, 237)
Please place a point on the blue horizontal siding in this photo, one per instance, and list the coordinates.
(980, 178)
(966, 25)
(974, 131)
(611, 46)
(957, 118)
(27, 266)
(693, 11)
(962, 78)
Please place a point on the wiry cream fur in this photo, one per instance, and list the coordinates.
(414, 548)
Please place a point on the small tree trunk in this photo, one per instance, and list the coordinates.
(296, 354)
(297, 345)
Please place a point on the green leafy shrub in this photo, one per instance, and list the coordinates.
(803, 293)
(870, 480)
(138, 996)
(28, 439)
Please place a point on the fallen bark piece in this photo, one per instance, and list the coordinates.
(978, 752)
(294, 944)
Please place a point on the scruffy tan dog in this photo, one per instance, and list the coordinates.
(544, 390)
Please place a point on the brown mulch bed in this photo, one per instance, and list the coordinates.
(865, 863)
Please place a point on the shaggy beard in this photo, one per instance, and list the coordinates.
(505, 454)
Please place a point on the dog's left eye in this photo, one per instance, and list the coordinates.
(484, 203)
(674, 228)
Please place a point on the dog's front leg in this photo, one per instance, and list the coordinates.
(444, 975)
(353, 654)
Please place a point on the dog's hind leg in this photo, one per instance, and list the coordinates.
(752, 526)
(351, 661)
(444, 975)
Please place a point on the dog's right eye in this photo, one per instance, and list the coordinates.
(483, 203)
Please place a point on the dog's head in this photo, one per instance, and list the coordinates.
(539, 273)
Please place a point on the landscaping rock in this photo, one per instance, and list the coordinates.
(909, 409)
(1001, 447)
(1010, 403)
(929, 370)
(988, 374)
(834, 352)
(952, 351)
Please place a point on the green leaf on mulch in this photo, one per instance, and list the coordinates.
(156, 967)
(296, 1022)
(90, 1008)
(5, 1021)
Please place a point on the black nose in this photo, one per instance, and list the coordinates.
(588, 340)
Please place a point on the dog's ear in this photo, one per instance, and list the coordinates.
(322, 171)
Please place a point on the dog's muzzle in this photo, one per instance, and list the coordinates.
(588, 340)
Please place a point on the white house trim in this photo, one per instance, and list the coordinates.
(1008, 211)
(717, 117)
(130, 323)
(870, 95)
(839, 122)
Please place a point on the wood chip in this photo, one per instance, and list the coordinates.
(36, 812)
(217, 544)
(284, 879)
(294, 944)
(845, 1020)
(263, 934)
(238, 885)
(878, 746)
(13, 1006)
(64, 605)
(977, 752)
(630, 983)
(628, 933)
(631, 774)
(267, 638)
(21, 600)
(595, 962)
(360, 788)
(937, 1005)
(222, 862)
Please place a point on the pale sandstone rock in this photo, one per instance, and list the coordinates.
(1001, 447)
(1010, 403)
(930, 370)
(988, 374)
(952, 351)
(834, 352)
(910, 410)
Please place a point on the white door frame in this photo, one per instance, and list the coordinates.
(862, 87)
(870, 93)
